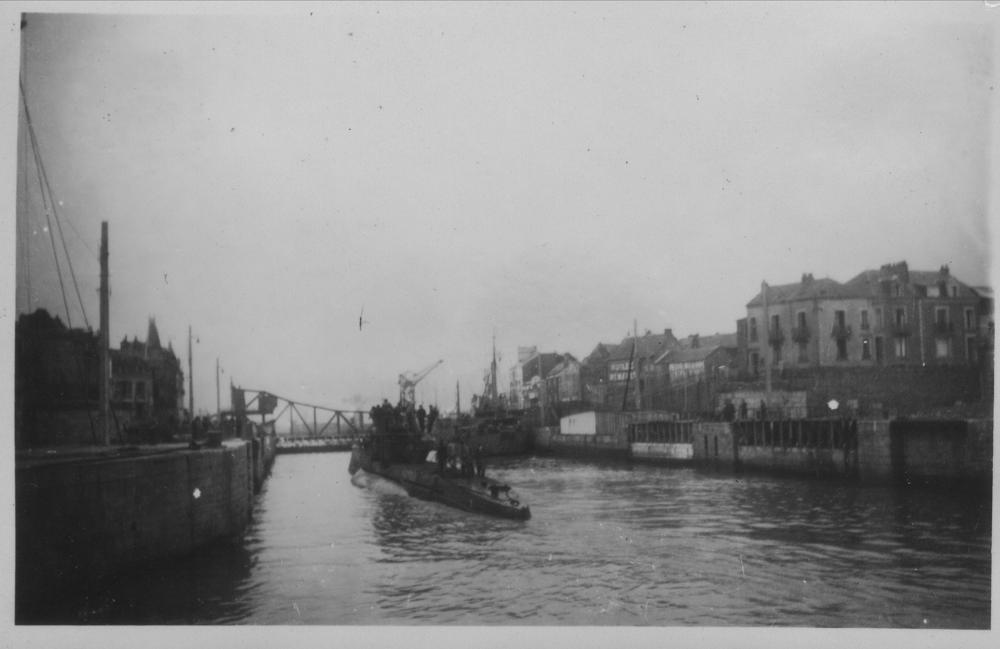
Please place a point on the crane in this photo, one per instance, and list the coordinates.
(408, 381)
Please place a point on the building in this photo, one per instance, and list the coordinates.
(631, 373)
(56, 386)
(533, 370)
(594, 374)
(687, 377)
(147, 382)
(808, 323)
(890, 316)
(515, 393)
(57, 396)
(918, 317)
(563, 384)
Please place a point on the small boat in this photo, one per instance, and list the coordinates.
(396, 452)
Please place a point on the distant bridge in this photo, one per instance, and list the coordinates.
(327, 429)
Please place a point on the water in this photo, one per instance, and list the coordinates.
(608, 544)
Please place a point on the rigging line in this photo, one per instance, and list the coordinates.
(44, 180)
(25, 225)
(55, 213)
(48, 219)
(69, 260)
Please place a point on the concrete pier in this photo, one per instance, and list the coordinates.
(85, 514)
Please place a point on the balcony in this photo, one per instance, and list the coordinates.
(800, 334)
(841, 332)
(776, 337)
(900, 329)
(943, 329)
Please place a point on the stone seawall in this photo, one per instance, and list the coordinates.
(918, 452)
(82, 519)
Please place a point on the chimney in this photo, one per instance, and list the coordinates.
(807, 278)
(945, 271)
(695, 341)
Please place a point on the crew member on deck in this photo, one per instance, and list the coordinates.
(442, 455)
(421, 417)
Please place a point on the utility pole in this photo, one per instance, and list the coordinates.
(458, 400)
(638, 364)
(190, 379)
(493, 371)
(105, 373)
(541, 393)
(767, 346)
(218, 398)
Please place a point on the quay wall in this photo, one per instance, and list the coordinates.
(875, 459)
(810, 461)
(712, 443)
(956, 452)
(264, 449)
(662, 452)
(923, 452)
(78, 521)
(605, 446)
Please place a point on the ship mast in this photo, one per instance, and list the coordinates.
(105, 373)
(493, 371)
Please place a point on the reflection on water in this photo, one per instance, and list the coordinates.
(607, 544)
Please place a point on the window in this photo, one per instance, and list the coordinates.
(954, 291)
(801, 319)
(970, 349)
(878, 317)
(864, 319)
(900, 317)
(123, 391)
(140, 390)
(866, 349)
(896, 290)
(942, 347)
(753, 330)
(841, 349)
(803, 352)
(970, 319)
(775, 323)
(879, 349)
(900, 347)
(941, 316)
(933, 291)
(755, 363)
(840, 317)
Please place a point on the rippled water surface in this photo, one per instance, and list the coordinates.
(608, 544)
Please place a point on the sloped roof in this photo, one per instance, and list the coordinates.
(867, 283)
(690, 355)
(817, 288)
(648, 346)
(547, 360)
(600, 352)
(567, 361)
(713, 340)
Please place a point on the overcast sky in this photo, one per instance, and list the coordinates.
(547, 172)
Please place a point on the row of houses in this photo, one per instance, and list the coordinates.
(57, 385)
(892, 315)
(891, 319)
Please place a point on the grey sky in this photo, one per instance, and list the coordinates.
(547, 171)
